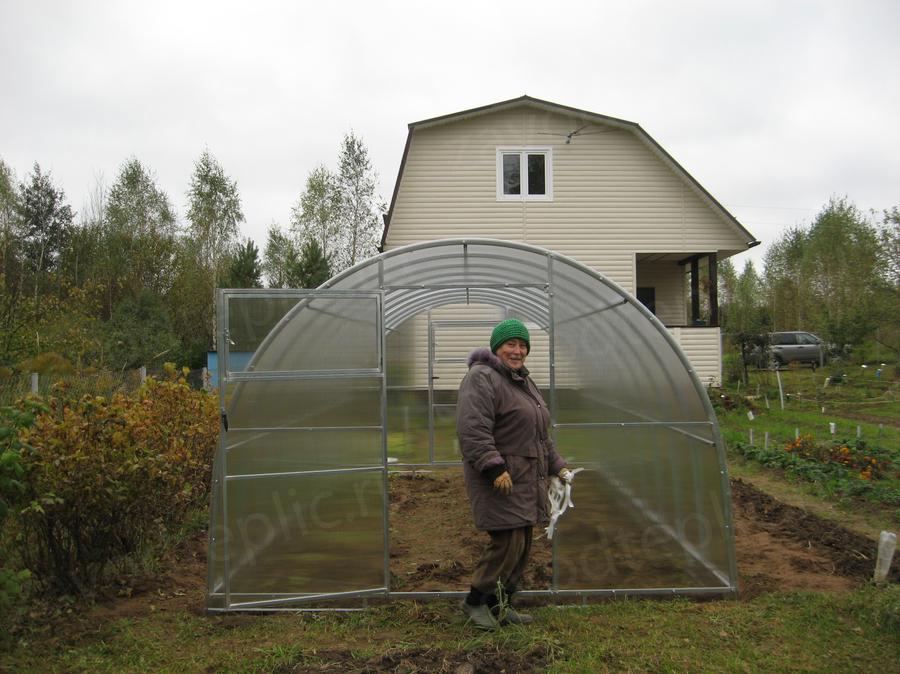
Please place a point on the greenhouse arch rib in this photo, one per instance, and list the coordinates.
(309, 419)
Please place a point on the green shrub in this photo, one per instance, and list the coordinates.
(12, 487)
(104, 478)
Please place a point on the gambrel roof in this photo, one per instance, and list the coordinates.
(588, 117)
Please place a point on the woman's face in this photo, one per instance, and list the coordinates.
(512, 353)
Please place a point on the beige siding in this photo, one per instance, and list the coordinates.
(454, 341)
(669, 281)
(613, 195)
(703, 348)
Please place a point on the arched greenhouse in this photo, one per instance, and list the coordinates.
(353, 384)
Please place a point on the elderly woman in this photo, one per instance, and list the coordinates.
(508, 455)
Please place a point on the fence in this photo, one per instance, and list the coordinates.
(100, 383)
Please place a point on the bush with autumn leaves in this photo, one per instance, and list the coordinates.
(104, 479)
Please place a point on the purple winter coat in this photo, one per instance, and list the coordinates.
(501, 418)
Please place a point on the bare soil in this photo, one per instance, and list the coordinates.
(778, 546)
(434, 547)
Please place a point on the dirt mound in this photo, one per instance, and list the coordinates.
(782, 547)
(434, 544)
(487, 659)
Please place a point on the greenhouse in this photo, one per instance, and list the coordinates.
(332, 399)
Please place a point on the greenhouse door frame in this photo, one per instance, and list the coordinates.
(289, 599)
(434, 328)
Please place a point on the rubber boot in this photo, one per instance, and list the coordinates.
(506, 614)
(480, 615)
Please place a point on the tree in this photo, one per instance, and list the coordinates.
(889, 239)
(727, 276)
(10, 210)
(10, 231)
(840, 266)
(360, 208)
(139, 233)
(139, 332)
(313, 264)
(245, 270)
(137, 204)
(46, 224)
(788, 296)
(214, 213)
(280, 260)
(317, 215)
(191, 306)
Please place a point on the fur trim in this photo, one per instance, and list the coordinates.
(484, 356)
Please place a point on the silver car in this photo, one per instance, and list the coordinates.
(795, 347)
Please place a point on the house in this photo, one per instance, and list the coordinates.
(594, 188)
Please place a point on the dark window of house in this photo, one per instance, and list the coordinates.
(536, 174)
(647, 297)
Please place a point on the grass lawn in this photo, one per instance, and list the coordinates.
(857, 632)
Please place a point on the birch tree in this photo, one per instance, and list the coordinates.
(360, 208)
(316, 216)
(46, 224)
(214, 213)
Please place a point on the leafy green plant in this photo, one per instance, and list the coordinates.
(835, 469)
(12, 472)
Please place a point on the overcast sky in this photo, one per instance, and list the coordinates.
(772, 106)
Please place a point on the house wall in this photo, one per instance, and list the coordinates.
(669, 281)
(613, 195)
(703, 348)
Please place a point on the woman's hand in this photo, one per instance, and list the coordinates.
(504, 483)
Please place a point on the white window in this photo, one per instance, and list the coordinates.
(524, 174)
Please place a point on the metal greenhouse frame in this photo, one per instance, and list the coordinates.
(344, 386)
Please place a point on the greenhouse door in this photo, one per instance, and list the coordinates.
(300, 487)
(449, 344)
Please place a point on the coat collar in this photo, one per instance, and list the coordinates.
(484, 356)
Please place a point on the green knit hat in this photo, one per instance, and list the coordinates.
(509, 329)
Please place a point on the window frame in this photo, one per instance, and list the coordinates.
(523, 153)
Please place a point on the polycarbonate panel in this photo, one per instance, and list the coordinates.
(446, 444)
(407, 393)
(250, 319)
(283, 450)
(474, 264)
(309, 534)
(324, 333)
(622, 364)
(301, 403)
(649, 510)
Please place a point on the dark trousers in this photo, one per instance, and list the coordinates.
(504, 560)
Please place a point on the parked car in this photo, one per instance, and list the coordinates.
(791, 347)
